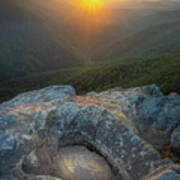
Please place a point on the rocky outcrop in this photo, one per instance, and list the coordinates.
(121, 127)
(175, 141)
(172, 172)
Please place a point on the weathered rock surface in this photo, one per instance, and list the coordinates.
(120, 126)
(175, 141)
(77, 162)
(173, 172)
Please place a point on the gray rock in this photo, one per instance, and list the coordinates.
(32, 177)
(157, 117)
(43, 178)
(169, 175)
(48, 94)
(175, 141)
(91, 94)
(23, 121)
(174, 94)
(152, 90)
(102, 130)
(172, 173)
(149, 113)
(35, 126)
(77, 162)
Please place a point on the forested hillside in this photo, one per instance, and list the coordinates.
(163, 71)
(51, 42)
(90, 34)
(29, 45)
(162, 17)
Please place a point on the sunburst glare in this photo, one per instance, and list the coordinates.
(90, 6)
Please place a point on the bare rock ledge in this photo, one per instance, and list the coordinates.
(53, 134)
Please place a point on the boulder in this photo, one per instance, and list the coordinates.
(175, 141)
(119, 127)
(149, 112)
(156, 117)
(23, 120)
(171, 173)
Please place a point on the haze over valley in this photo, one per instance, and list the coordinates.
(59, 42)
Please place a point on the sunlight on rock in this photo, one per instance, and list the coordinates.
(76, 162)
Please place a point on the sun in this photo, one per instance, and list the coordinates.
(91, 6)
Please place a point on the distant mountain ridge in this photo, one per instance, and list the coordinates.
(163, 71)
(29, 45)
(42, 45)
(154, 41)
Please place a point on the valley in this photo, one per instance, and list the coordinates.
(45, 43)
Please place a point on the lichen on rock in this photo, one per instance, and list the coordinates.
(119, 126)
